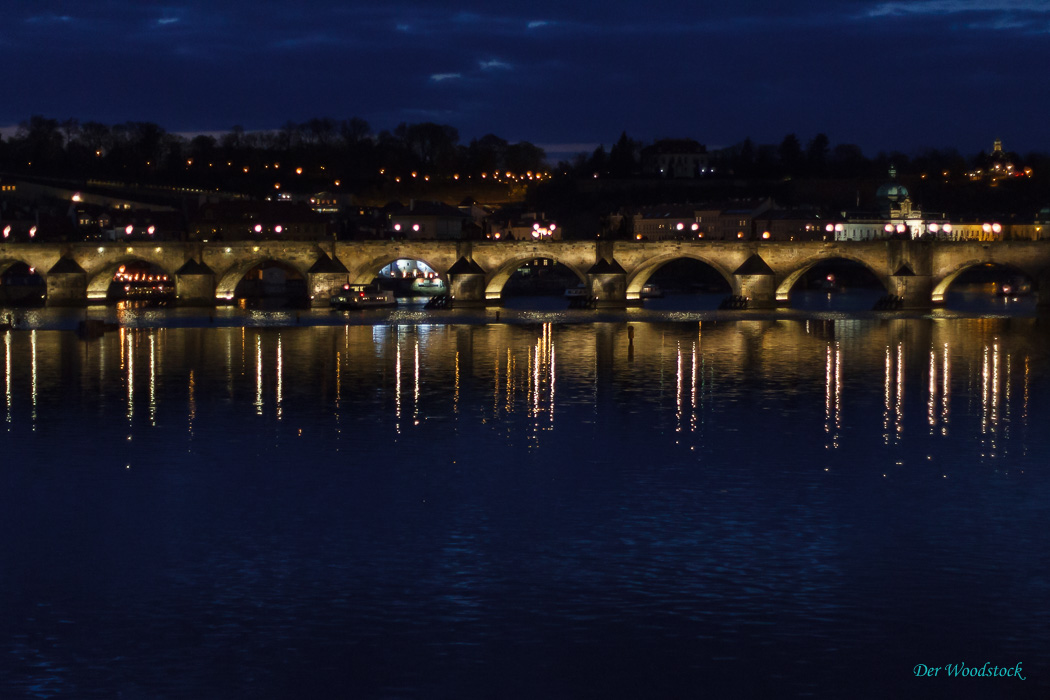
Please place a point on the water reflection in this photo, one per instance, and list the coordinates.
(434, 370)
(7, 375)
(762, 489)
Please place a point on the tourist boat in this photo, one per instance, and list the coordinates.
(651, 291)
(577, 292)
(361, 296)
(579, 297)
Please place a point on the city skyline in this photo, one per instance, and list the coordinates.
(883, 75)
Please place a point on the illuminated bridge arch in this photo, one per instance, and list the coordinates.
(940, 289)
(791, 279)
(226, 287)
(499, 278)
(370, 270)
(640, 275)
(101, 277)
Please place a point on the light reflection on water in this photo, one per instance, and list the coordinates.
(760, 506)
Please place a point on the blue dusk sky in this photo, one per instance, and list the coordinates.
(897, 75)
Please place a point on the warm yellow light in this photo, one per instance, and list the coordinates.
(765, 235)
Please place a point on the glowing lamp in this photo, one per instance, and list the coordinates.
(947, 228)
(258, 228)
(694, 227)
(997, 228)
(397, 227)
(765, 235)
(415, 227)
(986, 228)
(840, 228)
(829, 228)
(278, 228)
(934, 228)
(128, 229)
(680, 226)
(32, 232)
(151, 230)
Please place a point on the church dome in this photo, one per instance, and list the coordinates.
(892, 191)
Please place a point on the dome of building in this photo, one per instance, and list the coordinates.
(892, 191)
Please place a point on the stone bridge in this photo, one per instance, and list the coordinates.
(918, 272)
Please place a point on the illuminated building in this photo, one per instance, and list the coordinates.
(675, 158)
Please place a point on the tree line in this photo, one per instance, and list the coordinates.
(323, 148)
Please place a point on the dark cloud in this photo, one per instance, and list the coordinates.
(884, 74)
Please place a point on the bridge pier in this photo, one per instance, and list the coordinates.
(915, 291)
(756, 281)
(66, 284)
(194, 284)
(607, 282)
(325, 278)
(466, 283)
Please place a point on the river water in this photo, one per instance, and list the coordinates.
(657, 503)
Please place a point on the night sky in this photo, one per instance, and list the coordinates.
(884, 75)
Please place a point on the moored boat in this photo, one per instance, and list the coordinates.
(361, 296)
(651, 291)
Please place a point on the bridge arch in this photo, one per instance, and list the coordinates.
(940, 289)
(21, 283)
(7, 261)
(637, 278)
(226, 287)
(368, 272)
(498, 279)
(100, 279)
(791, 279)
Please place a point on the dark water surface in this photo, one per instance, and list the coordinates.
(761, 507)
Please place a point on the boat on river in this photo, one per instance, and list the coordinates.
(651, 291)
(579, 297)
(362, 296)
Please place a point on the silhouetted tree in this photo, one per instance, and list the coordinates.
(622, 161)
(790, 153)
(817, 154)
